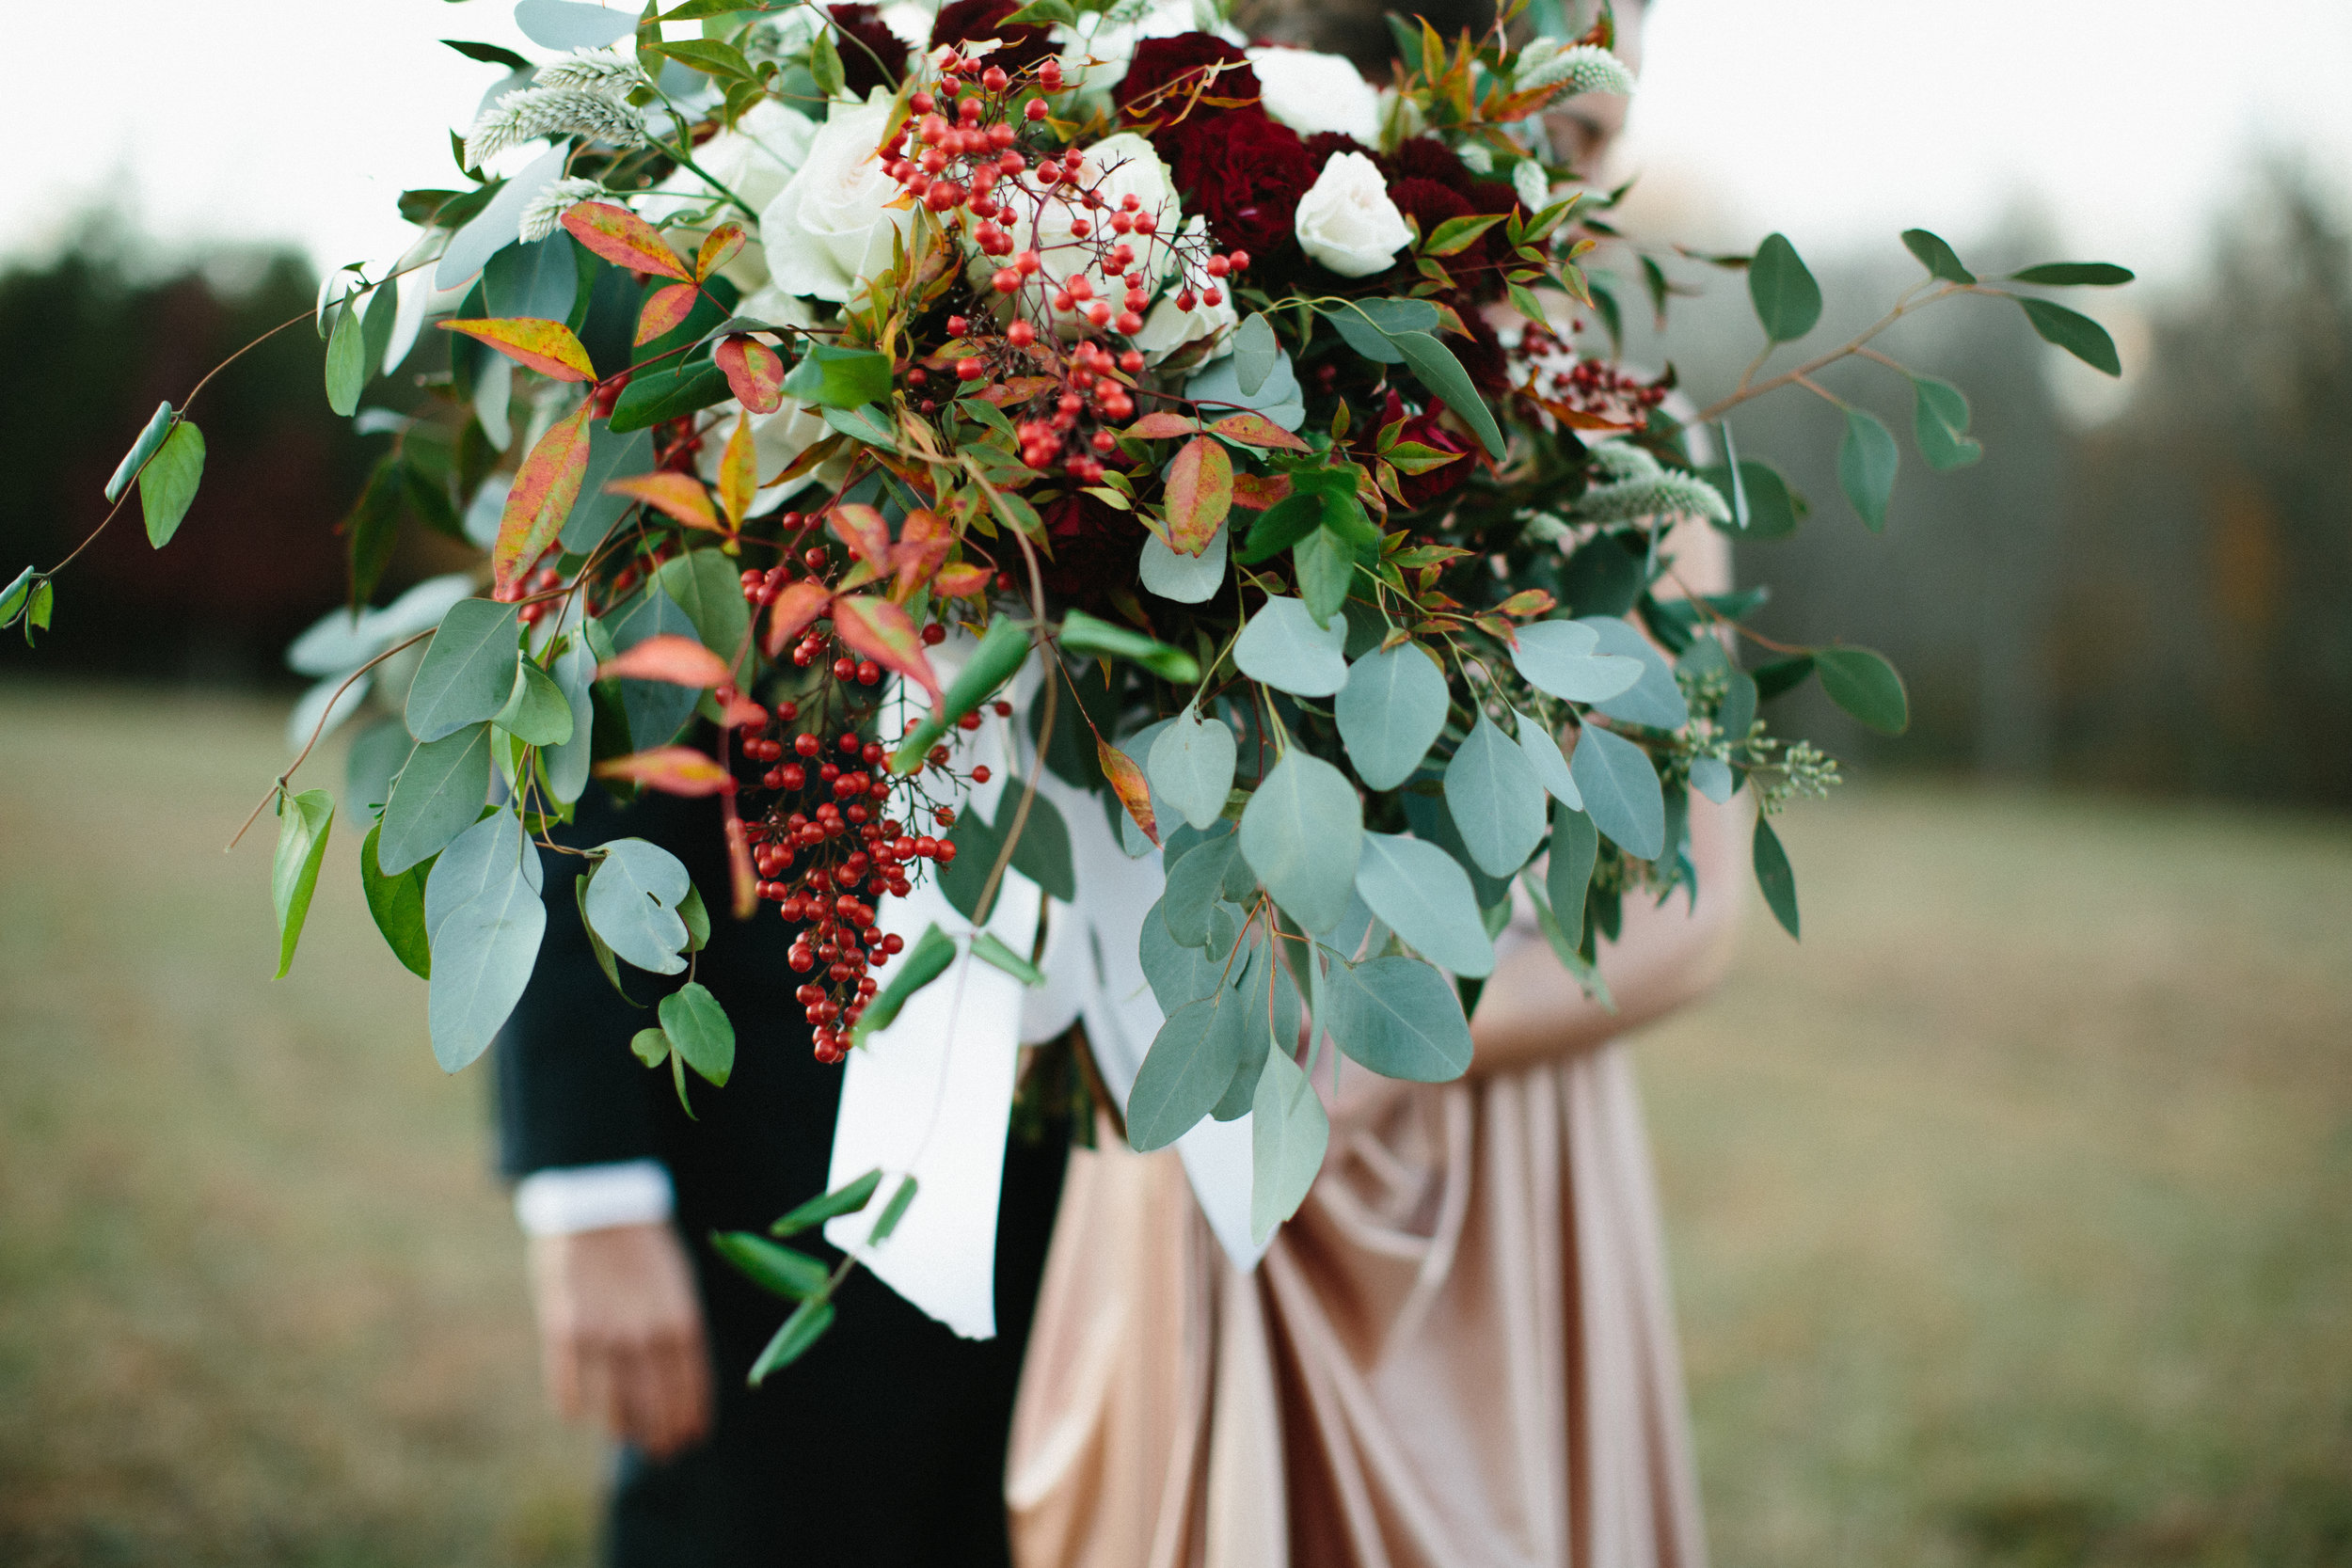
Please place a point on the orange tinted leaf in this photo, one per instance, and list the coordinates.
(1200, 493)
(1128, 783)
(880, 630)
(1017, 388)
(623, 239)
(1258, 491)
(862, 530)
(545, 489)
(745, 876)
(1256, 430)
(718, 249)
(672, 769)
(739, 472)
(754, 372)
(741, 711)
(923, 540)
(1527, 601)
(664, 310)
(547, 347)
(674, 495)
(794, 608)
(679, 660)
(960, 581)
(1159, 427)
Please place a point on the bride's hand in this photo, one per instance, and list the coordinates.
(621, 1334)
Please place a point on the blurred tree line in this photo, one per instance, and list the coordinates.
(2160, 602)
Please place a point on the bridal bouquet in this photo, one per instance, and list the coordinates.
(839, 360)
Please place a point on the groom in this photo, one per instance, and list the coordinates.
(884, 1445)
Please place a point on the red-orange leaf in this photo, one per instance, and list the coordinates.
(1128, 783)
(754, 372)
(1256, 492)
(623, 239)
(547, 347)
(960, 581)
(739, 472)
(545, 489)
(795, 607)
(679, 660)
(1527, 601)
(674, 495)
(664, 310)
(1256, 430)
(1200, 493)
(740, 712)
(862, 530)
(718, 249)
(1159, 427)
(923, 540)
(672, 769)
(883, 632)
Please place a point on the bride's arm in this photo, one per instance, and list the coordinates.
(1533, 1010)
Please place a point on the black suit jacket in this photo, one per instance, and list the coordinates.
(884, 1445)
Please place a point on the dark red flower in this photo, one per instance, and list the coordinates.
(1428, 202)
(964, 20)
(1241, 171)
(1179, 63)
(1093, 548)
(1428, 430)
(1427, 158)
(1324, 144)
(1491, 196)
(871, 54)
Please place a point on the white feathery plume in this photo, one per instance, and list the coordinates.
(605, 70)
(529, 112)
(1582, 67)
(1477, 156)
(544, 212)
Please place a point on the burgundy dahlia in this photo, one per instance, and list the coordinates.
(1241, 171)
(871, 54)
(966, 20)
(1179, 63)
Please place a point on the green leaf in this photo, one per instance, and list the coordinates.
(1937, 257)
(992, 664)
(1621, 791)
(604, 955)
(565, 763)
(36, 607)
(1939, 422)
(717, 57)
(847, 1199)
(1326, 567)
(304, 822)
(18, 593)
(469, 670)
(1177, 973)
(141, 450)
(655, 396)
(990, 950)
(632, 904)
(397, 903)
(482, 954)
(708, 586)
(892, 1212)
(346, 363)
(537, 712)
(2097, 275)
(1399, 1017)
(1191, 766)
(1788, 301)
(1496, 800)
(1655, 698)
(167, 484)
(486, 856)
(2073, 331)
(923, 964)
(1774, 509)
(1773, 874)
(1302, 833)
(1281, 526)
(1190, 1065)
(1443, 373)
(1542, 747)
(1283, 646)
(436, 794)
(864, 423)
(1563, 657)
(691, 909)
(1196, 880)
(1867, 460)
(1038, 12)
(1455, 235)
(698, 1027)
(1043, 851)
(800, 1330)
(650, 1046)
(1419, 892)
(1391, 712)
(1575, 848)
(489, 53)
(1289, 1132)
(824, 64)
(834, 377)
(1866, 685)
(775, 1269)
(1082, 633)
(372, 529)
(1256, 352)
(1782, 674)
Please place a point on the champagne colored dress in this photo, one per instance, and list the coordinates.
(1460, 1354)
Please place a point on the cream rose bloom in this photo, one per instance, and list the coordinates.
(1346, 221)
(1312, 93)
(753, 160)
(832, 224)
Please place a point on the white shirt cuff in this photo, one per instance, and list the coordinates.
(571, 1198)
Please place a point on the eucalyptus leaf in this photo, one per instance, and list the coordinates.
(1443, 374)
(1185, 1073)
(2074, 332)
(1195, 881)
(707, 584)
(1564, 658)
(1774, 877)
(1788, 301)
(1867, 462)
(1302, 833)
(1655, 698)
(1550, 762)
(1495, 799)
(397, 904)
(632, 904)
(1865, 684)
(167, 484)
(1256, 352)
(469, 670)
(1289, 1132)
(1183, 578)
(436, 794)
(1575, 848)
(1939, 421)
(1621, 791)
(1938, 258)
(1391, 712)
(565, 762)
(483, 957)
(1399, 1017)
(1285, 647)
(1191, 764)
(1423, 896)
(486, 856)
(537, 712)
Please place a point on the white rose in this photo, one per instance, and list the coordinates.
(1168, 328)
(1117, 168)
(754, 161)
(832, 224)
(1346, 221)
(1312, 93)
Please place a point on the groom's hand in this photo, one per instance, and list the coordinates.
(621, 1334)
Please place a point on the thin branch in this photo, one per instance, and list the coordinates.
(317, 730)
(1745, 392)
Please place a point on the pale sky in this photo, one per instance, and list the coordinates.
(1839, 121)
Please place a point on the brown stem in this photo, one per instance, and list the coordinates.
(1745, 392)
(1044, 734)
(317, 730)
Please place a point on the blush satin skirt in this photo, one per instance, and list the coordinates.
(1460, 1354)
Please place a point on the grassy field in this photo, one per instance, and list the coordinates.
(2012, 1211)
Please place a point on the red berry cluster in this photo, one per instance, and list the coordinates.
(1554, 375)
(531, 594)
